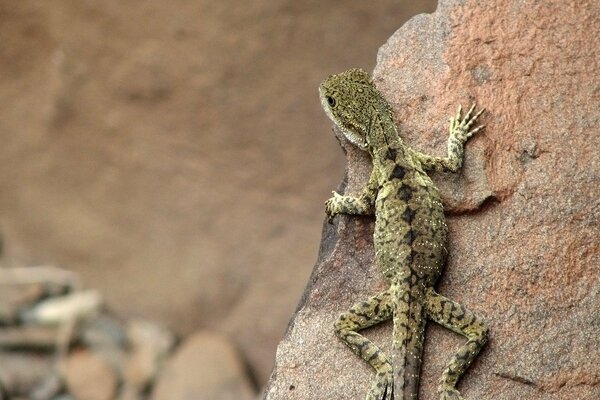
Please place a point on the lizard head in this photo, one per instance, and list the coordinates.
(350, 100)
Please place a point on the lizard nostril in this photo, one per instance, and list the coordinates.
(331, 101)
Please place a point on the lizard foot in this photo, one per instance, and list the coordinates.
(383, 387)
(449, 393)
(332, 206)
(460, 125)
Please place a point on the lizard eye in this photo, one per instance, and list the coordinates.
(331, 101)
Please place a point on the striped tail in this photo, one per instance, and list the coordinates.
(409, 329)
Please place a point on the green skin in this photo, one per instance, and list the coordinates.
(410, 240)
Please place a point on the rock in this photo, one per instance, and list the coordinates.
(20, 287)
(129, 392)
(524, 214)
(29, 337)
(206, 366)
(51, 386)
(14, 299)
(21, 373)
(89, 377)
(104, 331)
(149, 346)
(65, 309)
(64, 397)
(106, 336)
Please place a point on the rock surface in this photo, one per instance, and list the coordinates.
(205, 367)
(149, 347)
(523, 214)
(89, 377)
(19, 287)
(19, 373)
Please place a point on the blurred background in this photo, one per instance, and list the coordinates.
(174, 155)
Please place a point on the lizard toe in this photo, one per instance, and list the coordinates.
(449, 393)
(382, 388)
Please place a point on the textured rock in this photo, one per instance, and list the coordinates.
(149, 346)
(48, 389)
(205, 367)
(89, 377)
(21, 287)
(523, 215)
(22, 373)
(29, 337)
(60, 310)
(16, 298)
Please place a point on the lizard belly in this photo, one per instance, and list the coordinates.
(410, 233)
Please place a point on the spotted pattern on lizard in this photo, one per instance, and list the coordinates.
(410, 240)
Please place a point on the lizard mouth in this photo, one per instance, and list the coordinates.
(354, 138)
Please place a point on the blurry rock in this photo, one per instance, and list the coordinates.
(22, 286)
(28, 337)
(14, 298)
(22, 373)
(65, 309)
(205, 367)
(89, 376)
(104, 331)
(106, 336)
(150, 345)
(48, 389)
(129, 392)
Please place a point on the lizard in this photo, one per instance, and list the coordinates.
(410, 239)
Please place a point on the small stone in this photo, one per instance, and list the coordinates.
(63, 397)
(89, 377)
(48, 388)
(21, 287)
(129, 392)
(150, 345)
(21, 373)
(64, 309)
(14, 298)
(106, 336)
(28, 337)
(104, 331)
(205, 367)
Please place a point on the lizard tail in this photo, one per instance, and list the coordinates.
(409, 329)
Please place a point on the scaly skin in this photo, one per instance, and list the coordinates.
(410, 240)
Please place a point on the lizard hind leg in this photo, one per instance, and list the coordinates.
(459, 319)
(376, 309)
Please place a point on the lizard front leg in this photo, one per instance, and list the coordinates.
(460, 131)
(459, 319)
(362, 205)
(362, 315)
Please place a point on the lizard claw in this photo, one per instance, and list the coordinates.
(460, 126)
(330, 207)
(382, 388)
(389, 392)
(449, 393)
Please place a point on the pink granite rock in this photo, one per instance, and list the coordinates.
(523, 214)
